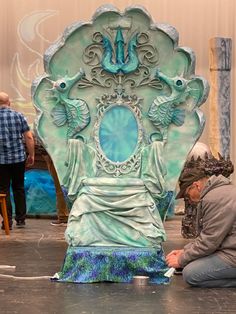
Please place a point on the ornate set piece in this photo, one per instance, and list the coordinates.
(118, 112)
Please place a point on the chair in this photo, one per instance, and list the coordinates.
(4, 213)
(118, 111)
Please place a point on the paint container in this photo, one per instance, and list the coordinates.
(140, 280)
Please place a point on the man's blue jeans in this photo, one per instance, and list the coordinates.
(210, 271)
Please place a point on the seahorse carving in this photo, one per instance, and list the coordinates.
(164, 109)
(74, 112)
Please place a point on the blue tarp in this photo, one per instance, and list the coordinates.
(40, 192)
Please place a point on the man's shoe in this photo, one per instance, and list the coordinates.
(178, 271)
(20, 224)
(58, 223)
(3, 227)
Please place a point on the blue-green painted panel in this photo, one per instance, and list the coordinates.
(118, 133)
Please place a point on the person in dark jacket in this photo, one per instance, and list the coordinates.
(210, 260)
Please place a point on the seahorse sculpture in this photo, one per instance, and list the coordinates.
(164, 109)
(124, 65)
(74, 112)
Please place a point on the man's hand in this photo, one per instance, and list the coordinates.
(173, 257)
(29, 141)
(30, 161)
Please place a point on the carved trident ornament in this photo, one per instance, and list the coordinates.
(124, 65)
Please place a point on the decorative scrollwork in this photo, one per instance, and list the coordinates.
(143, 77)
(99, 78)
(118, 169)
(105, 73)
(148, 54)
(93, 53)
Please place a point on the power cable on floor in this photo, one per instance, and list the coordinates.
(9, 267)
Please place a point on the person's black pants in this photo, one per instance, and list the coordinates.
(12, 175)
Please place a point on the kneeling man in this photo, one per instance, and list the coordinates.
(210, 260)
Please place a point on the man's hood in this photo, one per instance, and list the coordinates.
(214, 182)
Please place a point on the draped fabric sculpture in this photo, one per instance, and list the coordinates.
(118, 113)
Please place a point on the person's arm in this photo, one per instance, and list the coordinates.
(29, 141)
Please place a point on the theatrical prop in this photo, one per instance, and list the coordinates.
(118, 112)
(219, 97)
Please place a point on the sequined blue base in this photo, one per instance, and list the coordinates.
(98, 264)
